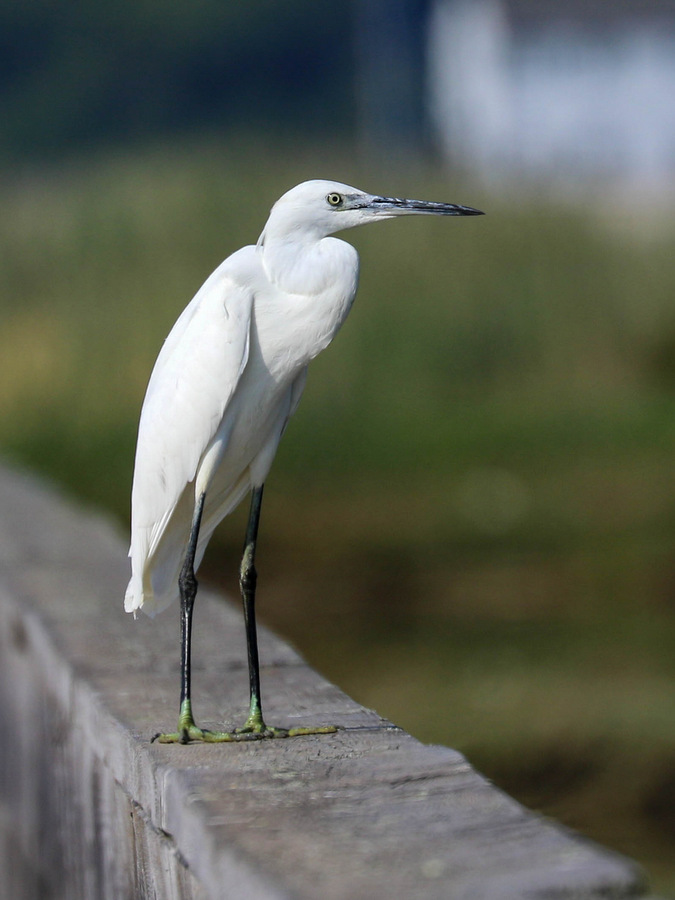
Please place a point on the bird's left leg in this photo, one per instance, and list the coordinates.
(255, 724)
(187, 584)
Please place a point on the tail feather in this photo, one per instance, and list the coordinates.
(154, 580)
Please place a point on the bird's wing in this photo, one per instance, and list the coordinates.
(192, 383)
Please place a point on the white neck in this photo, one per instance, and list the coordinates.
(308, 266)
(317, 280)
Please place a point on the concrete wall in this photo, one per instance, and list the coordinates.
(90, 809)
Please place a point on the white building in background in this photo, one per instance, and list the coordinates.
(569, 91)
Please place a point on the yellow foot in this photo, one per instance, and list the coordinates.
(255, 726)
(254, 729)
(193, 733)
(269, 731)
(188, 731)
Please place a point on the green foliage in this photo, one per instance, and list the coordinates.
(82, 74)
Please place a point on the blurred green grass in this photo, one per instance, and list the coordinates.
(471, 521)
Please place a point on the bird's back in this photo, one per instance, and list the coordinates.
(191, 386)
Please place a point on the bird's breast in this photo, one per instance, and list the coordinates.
(296, 316)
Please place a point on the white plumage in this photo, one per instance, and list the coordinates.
(226, 381)
(225, 384)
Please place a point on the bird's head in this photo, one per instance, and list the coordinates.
(318, 208)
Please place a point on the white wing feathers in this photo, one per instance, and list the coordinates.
(193, 380)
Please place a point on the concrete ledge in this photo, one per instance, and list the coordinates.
(90, 809)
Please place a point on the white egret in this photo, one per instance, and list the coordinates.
(224, 386)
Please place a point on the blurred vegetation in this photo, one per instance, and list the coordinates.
(84, 74)
(470, 524)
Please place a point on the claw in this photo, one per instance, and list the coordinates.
(205, 736)
(253, 729)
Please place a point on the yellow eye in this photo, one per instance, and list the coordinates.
(334, 199)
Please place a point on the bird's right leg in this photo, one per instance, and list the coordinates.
(255, 726)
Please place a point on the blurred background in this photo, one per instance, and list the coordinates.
(470, 525)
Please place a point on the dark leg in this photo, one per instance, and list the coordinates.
(248, 577)
(254, 727)
(247, 584)
(187, 585)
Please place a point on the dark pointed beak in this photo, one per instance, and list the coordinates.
(394, 206)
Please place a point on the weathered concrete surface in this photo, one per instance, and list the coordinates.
(90, 809)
